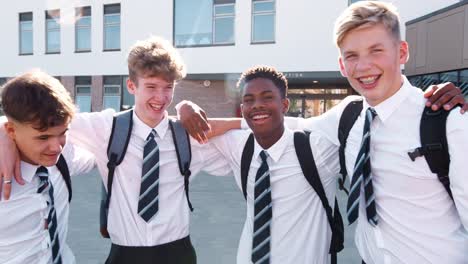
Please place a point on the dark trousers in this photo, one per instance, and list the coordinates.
(177, 252)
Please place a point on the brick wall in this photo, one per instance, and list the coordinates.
(96, 93)
(219, 99)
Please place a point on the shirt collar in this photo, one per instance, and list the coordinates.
(387, 107)
(277, 149)
(142, 130)
(28, 171)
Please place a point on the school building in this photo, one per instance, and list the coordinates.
(84, 43)
(439, 47)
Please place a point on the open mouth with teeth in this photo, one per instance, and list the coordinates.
(259, 118)
(156, 107)
(369, 81)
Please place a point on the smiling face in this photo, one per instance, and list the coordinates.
(370, 58)
(153, 95)
(35, 146)
(263, 108)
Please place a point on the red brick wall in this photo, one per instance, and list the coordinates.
(96, 93)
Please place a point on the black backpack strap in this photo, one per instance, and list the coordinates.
(122, 124)
(434, 145)
(63, 168)
(309, 169)
(184, 154)
(246, 160)
(347, 120)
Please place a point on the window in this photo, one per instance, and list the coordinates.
(112, 27)
(83, 29)
(26, 33)
(83, 93)
(204, 22)
(112, 85)
(223, 20)
(429, 79)
(415, 81)
(449, 77)
(263, 21)
(353, 1)
(53, 31)
(128, 100)
(463, 84)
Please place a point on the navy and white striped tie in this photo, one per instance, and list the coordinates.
(149, 191)
(46, 185)
(262, 214)
(362, 175)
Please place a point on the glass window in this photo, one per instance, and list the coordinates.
(449, 77)
(353, 1)
(415, 81)
(463, 84)
(25, 33)
(128, 100)
(112, 27)
(112, 87)
(204, 22)
(53, 31)
(263, 21)
(83, 29)
(83, 93)
(223, 20)
(429, 79)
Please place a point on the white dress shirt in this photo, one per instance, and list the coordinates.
(418, 222)
(300, 232)
(92, 132)
(23, 237)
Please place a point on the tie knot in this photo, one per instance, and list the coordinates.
(263, 155)
(371, 113)
(151, 135)
(42, 171)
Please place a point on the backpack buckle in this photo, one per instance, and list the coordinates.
(421, 151)
(417, 152)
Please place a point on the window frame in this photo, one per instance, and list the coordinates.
(104, 25)
(262, 13)
(52, 15)
(79, 16)
(20, 31)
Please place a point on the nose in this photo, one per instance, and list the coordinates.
(363, 64)
(56, 144)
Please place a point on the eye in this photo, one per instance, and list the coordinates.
(43, 138)
(350, 56)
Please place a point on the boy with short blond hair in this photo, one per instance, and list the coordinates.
(404, 214)
(35, 218)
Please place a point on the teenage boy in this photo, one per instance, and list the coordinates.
(149, 216)
(404, 214)
(285, 219)
(35, 219)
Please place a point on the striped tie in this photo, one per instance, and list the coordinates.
(149, 191)
(262, 214)
(46, 185)
(362, 174)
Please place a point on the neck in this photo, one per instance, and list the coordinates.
(148, 121)
(268, 140)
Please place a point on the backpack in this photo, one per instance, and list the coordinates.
(433, 135)
(309, 169)
(117, 148)
(63, 168)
